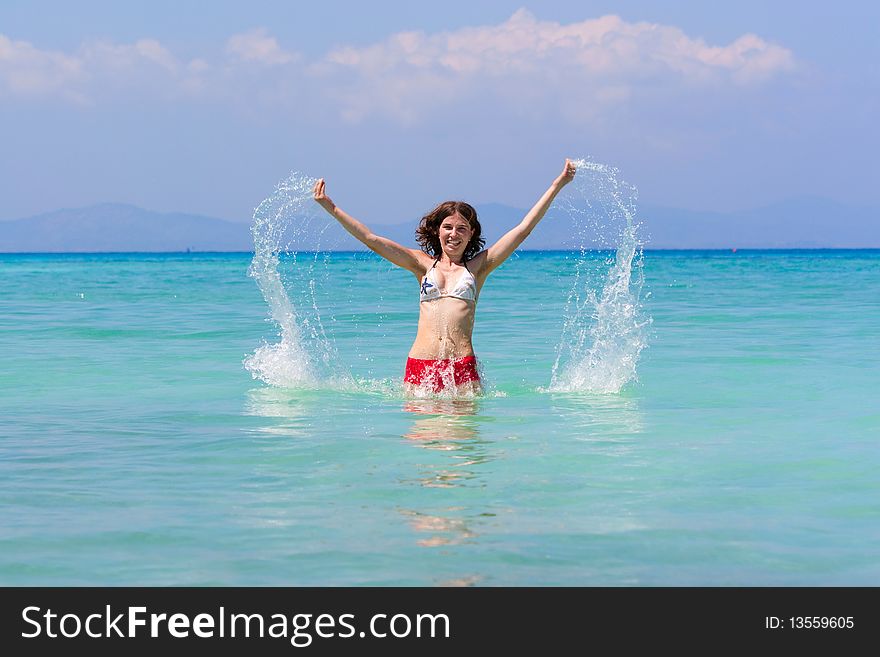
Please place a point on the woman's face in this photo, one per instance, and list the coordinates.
(455, 234)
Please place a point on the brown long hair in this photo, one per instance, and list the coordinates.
(428, 232)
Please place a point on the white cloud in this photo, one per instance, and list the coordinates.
(606, 46)
(256, 46)
(28, 71)
(523, 60)
(109, 58)
(100, 69)
(543, 69)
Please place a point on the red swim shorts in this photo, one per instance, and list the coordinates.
(438, 374)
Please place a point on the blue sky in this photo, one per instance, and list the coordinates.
(202, 106)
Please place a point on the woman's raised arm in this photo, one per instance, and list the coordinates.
(501, 250)
(409, 259)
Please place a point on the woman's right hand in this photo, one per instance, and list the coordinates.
(321, 197)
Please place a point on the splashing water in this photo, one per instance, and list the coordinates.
(305, 356)
(604, 331)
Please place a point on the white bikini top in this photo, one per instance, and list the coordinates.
(466, 289)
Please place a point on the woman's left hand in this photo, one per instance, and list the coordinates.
(567, 174)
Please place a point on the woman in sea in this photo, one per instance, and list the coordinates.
(451, 268)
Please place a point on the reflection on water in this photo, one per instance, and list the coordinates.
(440, 530)
(450, 426)
(470, 580)
(444, 501)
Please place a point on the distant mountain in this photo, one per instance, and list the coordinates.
(119, 227)
(803, 222)
(794, 223)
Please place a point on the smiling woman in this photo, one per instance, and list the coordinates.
(451, 269)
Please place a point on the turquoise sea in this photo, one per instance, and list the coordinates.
(138, 449)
